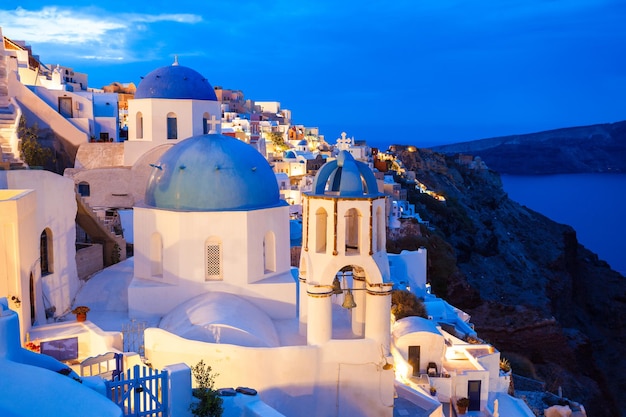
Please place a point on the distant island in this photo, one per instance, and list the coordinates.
(597, 148)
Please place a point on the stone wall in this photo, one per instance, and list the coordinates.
(89, 260)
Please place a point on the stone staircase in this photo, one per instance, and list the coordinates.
(8, 124)
(9, 155)
(99, 231)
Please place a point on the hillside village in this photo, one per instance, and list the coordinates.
(191, 224)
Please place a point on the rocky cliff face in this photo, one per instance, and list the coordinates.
(533, 291)
(596, 148)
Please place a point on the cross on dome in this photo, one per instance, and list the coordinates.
(343, 143)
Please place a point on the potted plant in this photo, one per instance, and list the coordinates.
(33, 347)
(81, 313)
(505, 366)
(462, 404)
(433, 391)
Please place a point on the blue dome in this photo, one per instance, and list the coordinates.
(175, 82)
(345, 177)
(212, 173)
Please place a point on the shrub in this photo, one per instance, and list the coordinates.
(522, 365)
(116, 254)
(210, 404)
(406, 304)
(463, 402)
(32, 152)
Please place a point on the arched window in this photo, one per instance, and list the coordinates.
(205, 123)
(156, 255)
(83, 189)
(139, 125)
(213, 252)
(269, 252)
(45, 252)
(380, 230)
(352, 219)
(321, 220)
(172, 126)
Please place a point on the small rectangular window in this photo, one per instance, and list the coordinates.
(213, 264)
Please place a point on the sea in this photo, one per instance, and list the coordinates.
(593, 204)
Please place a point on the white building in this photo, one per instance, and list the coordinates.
(37, 236)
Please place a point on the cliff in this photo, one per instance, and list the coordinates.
(596, 148)
(545, 301)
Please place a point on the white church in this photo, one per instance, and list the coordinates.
(211, 268)
(212, 259)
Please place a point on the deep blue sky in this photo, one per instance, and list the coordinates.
(414, 71)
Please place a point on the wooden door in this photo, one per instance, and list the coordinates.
(65, 106)
(414, 359)
(473, 393)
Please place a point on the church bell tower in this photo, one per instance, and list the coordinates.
(343, 253)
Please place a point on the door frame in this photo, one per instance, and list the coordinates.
(64, 109)
(416, 370)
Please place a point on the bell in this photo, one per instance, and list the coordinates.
(337, 286)
(348, 300)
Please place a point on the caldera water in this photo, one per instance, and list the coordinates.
(593, 204)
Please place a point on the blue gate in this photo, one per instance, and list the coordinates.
(140, 392)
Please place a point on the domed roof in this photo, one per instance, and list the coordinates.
(218, 317)
(212, 173)
(345, 177)
(175, 82)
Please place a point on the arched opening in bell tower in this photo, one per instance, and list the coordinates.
(348, 303)
(353, 231)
